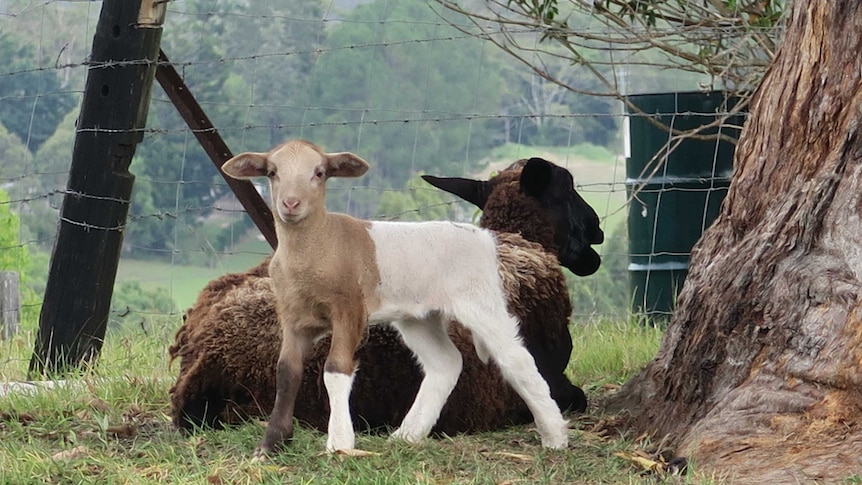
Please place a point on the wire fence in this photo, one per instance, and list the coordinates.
(394, 82)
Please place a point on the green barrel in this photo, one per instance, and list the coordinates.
(675, 197)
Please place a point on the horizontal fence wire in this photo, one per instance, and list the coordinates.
(394, 82)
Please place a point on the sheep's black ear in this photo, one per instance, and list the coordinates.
(475, 192)
(536, 177)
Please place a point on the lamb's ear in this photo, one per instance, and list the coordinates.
(246, 165)
(536, 177)
(345, 164)
(475, 192)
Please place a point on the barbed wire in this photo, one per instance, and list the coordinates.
(21, 175)
(423, 118)
(87, 63)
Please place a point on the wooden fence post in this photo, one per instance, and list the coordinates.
(10, 304)
(93, 216)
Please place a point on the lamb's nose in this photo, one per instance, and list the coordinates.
(290, 204)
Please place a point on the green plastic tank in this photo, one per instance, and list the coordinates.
(674, 197)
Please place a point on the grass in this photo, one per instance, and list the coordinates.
(185, 282)
(182, 282)
(610, 352)
(112, 426)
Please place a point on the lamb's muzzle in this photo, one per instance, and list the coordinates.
(333, 273)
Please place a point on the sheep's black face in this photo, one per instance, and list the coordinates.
(576, 225)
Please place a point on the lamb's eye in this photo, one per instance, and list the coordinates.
(270, 173)
(319, 173)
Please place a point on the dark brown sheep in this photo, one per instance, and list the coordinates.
(229, 342)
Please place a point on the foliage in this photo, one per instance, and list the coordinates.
(146, 308)
(552, 114)
(34, 279)
(390, 103)
(14, 157)
(13, 255)
(32, 101)
(418, 201)
(170, 221)
(558, 154)
(408, 105)
(278, 82)
(54, 157)
(160, 209)
(42, 51)
(44, 192)
(730, 42)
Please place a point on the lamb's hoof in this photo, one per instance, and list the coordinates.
(336, 444)
(260, 455)
(556, 442)
(405, 435)
(273, 441)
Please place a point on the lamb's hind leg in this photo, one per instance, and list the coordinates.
(441, 362)
(498, 332)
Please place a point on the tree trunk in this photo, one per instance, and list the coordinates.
(759, 373)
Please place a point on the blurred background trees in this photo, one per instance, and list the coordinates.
(413, 86)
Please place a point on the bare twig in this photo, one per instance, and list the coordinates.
(731, 41)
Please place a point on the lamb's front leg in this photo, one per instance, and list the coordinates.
(441, 362)
(294, 346)
(338, 373)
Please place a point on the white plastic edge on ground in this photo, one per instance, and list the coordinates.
(29, 387)
(34, 387)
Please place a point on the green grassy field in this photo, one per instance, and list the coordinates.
(111, 425)
(185, 282)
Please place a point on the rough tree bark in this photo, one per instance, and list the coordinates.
(758, 376)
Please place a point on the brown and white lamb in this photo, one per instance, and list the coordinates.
(229, 340)
(334, 274)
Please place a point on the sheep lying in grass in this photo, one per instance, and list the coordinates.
(229, 341)
(335, 274)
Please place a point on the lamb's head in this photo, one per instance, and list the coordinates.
(297, 172)
(537, 199)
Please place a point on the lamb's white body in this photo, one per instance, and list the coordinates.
(419, 277)
(428, 266)
(431, 273)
